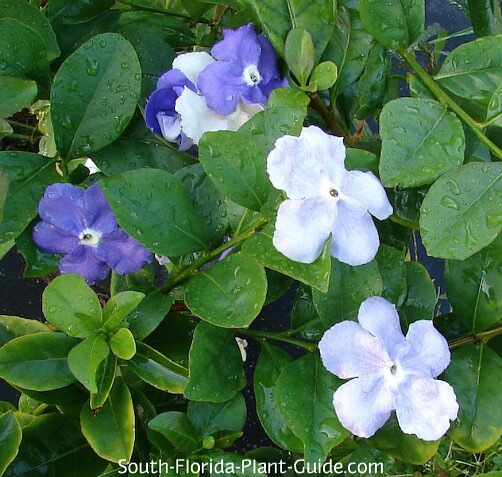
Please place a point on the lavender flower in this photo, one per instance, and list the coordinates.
(246, 68)
(80, 224)
(324, 200)
(390, 372)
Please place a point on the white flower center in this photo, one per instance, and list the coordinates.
(251, 75)
(90, 237)
(333, 193)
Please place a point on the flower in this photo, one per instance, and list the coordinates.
(246, 68)
(390, 372)
(80, 224)
(324, 199)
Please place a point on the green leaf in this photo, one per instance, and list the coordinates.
(29, 176)
(279, 17)
(210, 418)
(15, 94)
(406, 447)
(12, 327)
(421, 140)
(216, 373)
(260, 248)
(359, 159)
(119, 306)
(122, 344)
(175, 428)
(153, 206)
(304, 396)
(393, 272)
(406, 204)
(304, 316)
(76, 11)
(475, 373)
(85, 359)
(105, 377)
(299, 54)
(94, 95)
(68, 396)
(72, 306)
(230, 294)
(473, 287)
(10, 439)
(157, 370)
(110, 432)
(277, 285)
(22, 52)
(460, 214)
(395, 24)
(324, 75)
(486, 17)
(348, 288)
(271, 362)
(37, 361)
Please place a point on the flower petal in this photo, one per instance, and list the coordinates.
(302, 228)
(161, 102)
(349, 351)
(82, 261)
(267, 63)
(192, 64)
(53, 239)
(355, 238)
(98, 214)
(380, 318)
(363, 405)
(63, 206)
(425, 407)
(426, 349)
(365, 188)
(170, 126)
(238, 46)
(122, 253)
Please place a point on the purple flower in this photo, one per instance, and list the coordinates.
(80, 224)
(390, 372)
(246, 68)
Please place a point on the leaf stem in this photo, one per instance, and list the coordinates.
(477, 337)
(277, 336)
(449, 102)
(329, 118)
(176, 278)
(21, 125)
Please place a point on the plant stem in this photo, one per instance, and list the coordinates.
(23, 137)
(477, 337)
(21, 125)
(277, 336)
(329, 118)
(177, 277)
(163, 11)
(449, 102)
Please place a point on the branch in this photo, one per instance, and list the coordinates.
(483, 337)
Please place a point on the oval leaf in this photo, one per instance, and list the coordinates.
(10, 439)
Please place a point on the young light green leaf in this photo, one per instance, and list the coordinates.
(324, 75)
(12, 327)
(299, 54)
(119, 306)
(122, 344)
(105, 377)
(15, 94)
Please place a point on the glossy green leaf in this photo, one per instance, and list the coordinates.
(230, 294)
(461, 214)
(393, 272)
(105, 377)
(85, 359)
(176, 429)
(12, 327)
(122, 344)
(70, 395)
(158, 370)
(94, 95)
(76, 11)
(29, 175)
(277, 285)
(72, 306)
(15, 94)
(216, 373)
(299, 53)
(395, 23)
(359, 159)
(304, 396)
(406, 204)
(486, 17)
(421, 140)
(10, 439)
(304, 316)
(37, 361)
(271, 362)
(324, 75)
(153, 206)
(348, 288)
(119, 306)
(110, 432)
(475, 373)
(474, 287)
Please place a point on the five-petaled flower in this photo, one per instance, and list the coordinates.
(390, 372)
(80, 224)
(324, 199)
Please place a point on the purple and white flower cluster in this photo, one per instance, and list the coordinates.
(218, 91)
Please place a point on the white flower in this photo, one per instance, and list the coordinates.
(390, 372)
(91, 165)
(242, 344)
(324, 199)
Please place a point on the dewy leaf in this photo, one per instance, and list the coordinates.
(299, 53)
(110, 432)
(175, 428)
(76, 11)
(304, 395)
(15, 94)
(474, 287)
(475, 372)
(153, 206)
(122, 344)
(421, 140)
(94, 95)
(105, 376)
(10, 439)
(230, 294)
(461, 213)
(395, 24)
(271, 362)
(279, 17)
(119, 306)
(393, 272)
(12, 327)
(486, 17)
(72, 306)
(216, 373)
(38, 362)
